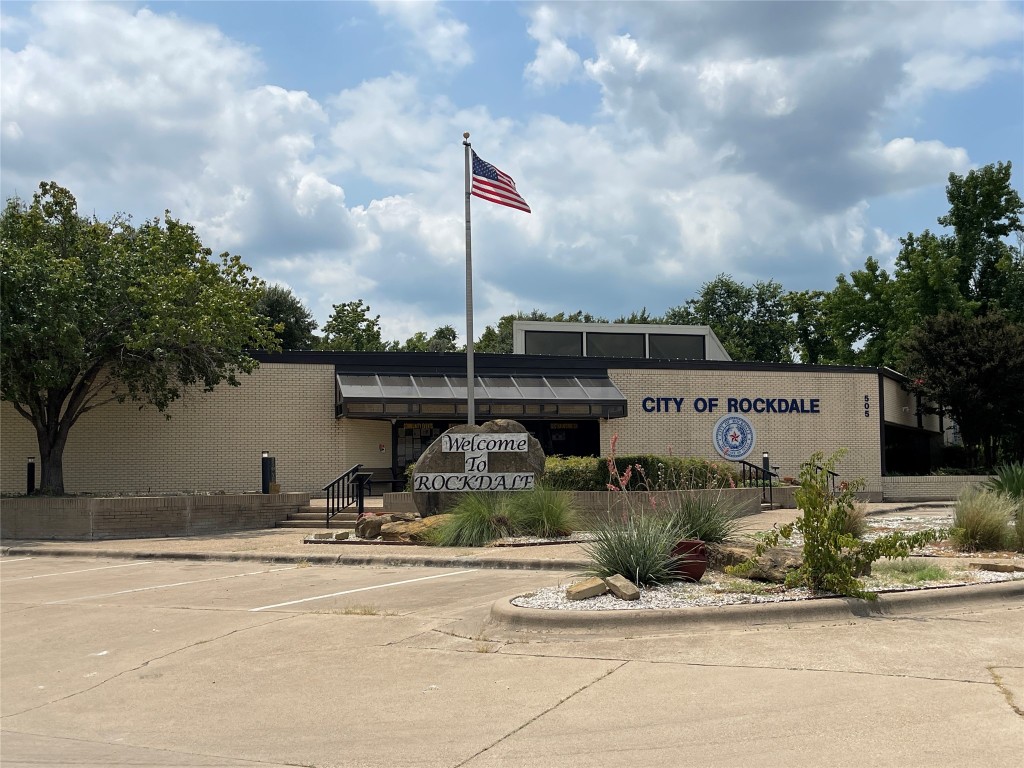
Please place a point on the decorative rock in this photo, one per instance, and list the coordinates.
(721, 556)
(368, 526)
(998, 567)
(415, 530)
(341, 536)
(775, 563)
(590, 588)
(622, 588)
(435, 460)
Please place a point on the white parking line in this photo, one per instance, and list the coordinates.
(84, 570)
(166, 586)
(361, 589)
(12, 559)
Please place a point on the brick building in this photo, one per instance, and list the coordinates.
(318, 413)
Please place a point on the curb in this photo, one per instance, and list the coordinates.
(753, 615)
(426, 562)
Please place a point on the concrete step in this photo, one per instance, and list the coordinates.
(322, 515)
(336, 525)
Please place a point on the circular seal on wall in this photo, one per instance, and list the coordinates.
(734, 437)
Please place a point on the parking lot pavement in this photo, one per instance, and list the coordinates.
(220, 663)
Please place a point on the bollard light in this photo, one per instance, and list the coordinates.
(30, 476)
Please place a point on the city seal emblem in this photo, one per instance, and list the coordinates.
(734, 437)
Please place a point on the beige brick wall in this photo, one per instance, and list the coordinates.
(901, 407)
(932, 488)
(789, 438)
(212, 442)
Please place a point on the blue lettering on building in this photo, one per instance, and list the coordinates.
(799, 405)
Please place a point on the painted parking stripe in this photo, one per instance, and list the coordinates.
(168, 586)
(12, 559)
(360, 589)
(84, 570)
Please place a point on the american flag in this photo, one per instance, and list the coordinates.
(491, 184)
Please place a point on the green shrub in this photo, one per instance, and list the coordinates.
(832, 557)
(1009, 480)
(705, 517)
(910, 571)
(545, 512)
(1018, 527)
(639, 547)
(575, 473)
(477, 519)
(646, 472)
(981, 520)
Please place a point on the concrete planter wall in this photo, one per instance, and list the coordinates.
(84, 518)
(929, 488)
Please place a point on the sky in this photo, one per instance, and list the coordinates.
(658, 144)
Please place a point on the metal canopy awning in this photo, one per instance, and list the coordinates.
(388, 396)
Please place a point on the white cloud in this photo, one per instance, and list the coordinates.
(431, 29)
(740, 138)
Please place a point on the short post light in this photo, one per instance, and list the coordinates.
(267, 471)
(30, 476)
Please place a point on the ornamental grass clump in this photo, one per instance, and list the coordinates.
(477, 519)
(981, 520)
(703, 516)
(543, 512)
(639, 548)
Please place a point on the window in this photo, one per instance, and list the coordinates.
(666, 346)
(615, 345)
(563, 343)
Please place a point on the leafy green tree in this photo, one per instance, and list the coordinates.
(973, 369)
(815, 343)
(643, 317)
(751, 322)
(95, 312)
(442, 340)
(293, 322)
(861, 312)
(984, 210)
(351, 329)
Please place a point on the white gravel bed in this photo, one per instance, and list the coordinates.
(717, 589)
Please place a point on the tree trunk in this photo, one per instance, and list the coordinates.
(51, 460)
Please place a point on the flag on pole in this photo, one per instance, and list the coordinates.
(495, 186)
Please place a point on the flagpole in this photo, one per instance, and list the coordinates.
(470, 376)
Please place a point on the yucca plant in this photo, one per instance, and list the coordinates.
(1009, 480)
(981, 520)
(544, 512)
(477, 519)
(1018, 526)
(639, 548)
(703, 516)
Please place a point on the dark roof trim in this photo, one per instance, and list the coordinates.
(493, 364)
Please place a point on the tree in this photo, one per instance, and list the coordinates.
(984, 210)
(752, 323)
(293, 322)
(643, 317)
(815, 342)
(442, 340)
(95, 312)
(351, 329)
(862, 315)
(973, 369)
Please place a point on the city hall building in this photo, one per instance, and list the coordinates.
(660, 389)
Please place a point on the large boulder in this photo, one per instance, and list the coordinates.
(774, 564)
(415, 530)
(434, 460)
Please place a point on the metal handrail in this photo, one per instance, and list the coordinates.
(346, 489)
(754, 476)
(832, 476)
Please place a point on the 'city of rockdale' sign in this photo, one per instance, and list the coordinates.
(476, 448)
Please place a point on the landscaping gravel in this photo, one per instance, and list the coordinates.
(718, 589)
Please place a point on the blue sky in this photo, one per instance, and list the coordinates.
(659, 144)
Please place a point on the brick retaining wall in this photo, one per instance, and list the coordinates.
(929, 488)
(88, 518)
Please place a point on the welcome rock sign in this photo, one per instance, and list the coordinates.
(497, 456)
